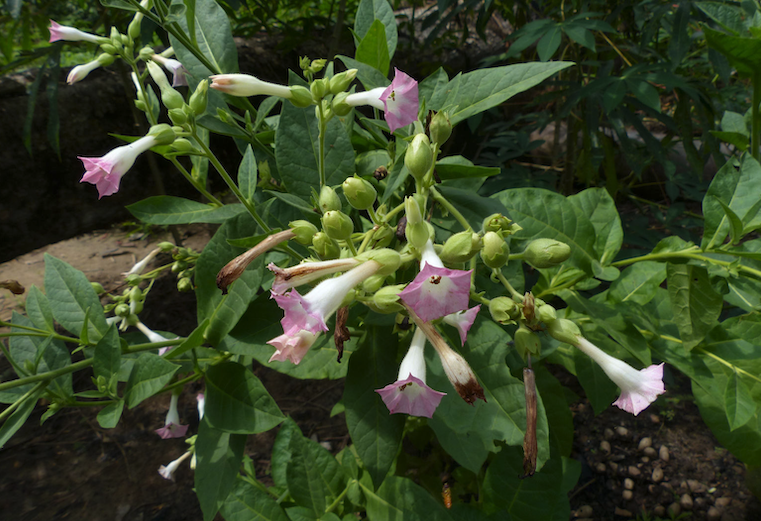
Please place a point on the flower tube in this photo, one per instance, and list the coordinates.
(71, 34)
(168, 471)
(175, 67)
(106, 172)
(244, 85)
(410, 394)
(80, 72)
(153, 336)
(172, 427)
(399, 101)
(306, 272)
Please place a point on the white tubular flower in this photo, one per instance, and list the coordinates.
(71, 34)
(168, 471)
(244, 85)
(306, 272)
(172, 427)
(201, 405)
(152, 335)
(140, 266)
(80, 72)
(175, 67)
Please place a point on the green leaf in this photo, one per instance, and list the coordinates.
(744, 54)
(736, 139)
(108, 416)
(249, 503)
(580, 35)
(70, 295)
(638, 283)
(543, 213)
(38, 309)
(458, 167)
(281, 451)
(373, 49)
(735, 223)
(695, 303)
(214, 37)
(296, 150)
(314, 477)
(108, 354)
(400, 499)
(482, 89)
(149, 375)
(247, 174)
(734, 122)
(238, 402)
(195, 339)
(18, 417)
(370, 11)
(549, 43)
(370, 77)
(376, 433)
(730, 17)
(738, 402)
(559, 415)
(599, 206)
(167, 209)
(218, 459)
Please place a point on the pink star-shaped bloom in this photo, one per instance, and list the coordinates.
(436, 291)
(638, 388)
(400, 100)
(172, 427)
(70, 34)
(463, 320)
(305, 317)
(410, 394)
(106, 172)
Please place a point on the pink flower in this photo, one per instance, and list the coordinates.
(168, 471)
(176, 68)
(463, 320)
(106, 172)
(245, 85)
(410, 394)
(305, 316)
(306, 272)
(638, 388)
(436, 291)
(172, 427)
(70, 34)
(80, 72)
(399, 101)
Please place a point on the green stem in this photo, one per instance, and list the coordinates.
(554, 289)
(451, 209)
(321, 143)
(393, 212)
(195, 183)
(689, 254)
(352, 248)
(479, 298)
(730, 365)
(756, 119)
(340, 497)
(49, 375)
(509, 287)
(373, 215)
(138, 348)
(15, 405)
(96, 403)
(36, 331)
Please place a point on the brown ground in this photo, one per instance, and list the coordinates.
(70, 468)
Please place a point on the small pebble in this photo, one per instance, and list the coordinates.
(623, 513)
(584, 511)
(696, 487)
(634, 471)
(723, 502)
(674, 509)
(663, 453)
(657, 474)
(700, 503)
(627, 495)
(659, 511)
(644, 443)
(713, 514)
(645, 459)
(327, 446)
(613, 466)
(654, 418)
(622, 431)
(628, 484)
(600, 468)
(650, 452)
(686, 501)
(608, 433)
(605, 447)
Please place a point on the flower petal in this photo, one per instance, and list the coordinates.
(436, 292)
(410, 396)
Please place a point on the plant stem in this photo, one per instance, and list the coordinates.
(393, 212)
(321, 144)
(195, 183)
(15, 405)
(49, 375)
(451, 209)
(690, 253)
(509, 287)
(340, 497)
(756, 118)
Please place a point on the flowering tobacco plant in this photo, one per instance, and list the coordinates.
(349, 220)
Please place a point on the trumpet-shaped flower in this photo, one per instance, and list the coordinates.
(201, 405)
(80, 72)
(305, 316)
(106, 172)
(71, 34)
(175, 67)
(306, 272)
(399, 101)
(153, 336)
(410, 394)
(245, 85)
(167, 472)
(436, 291)
(638, 388)
(463, 320)
(172, 427)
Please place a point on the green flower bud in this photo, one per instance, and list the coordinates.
(412, 211)
(317, 65)
(178, 116)
(373, 283)
(225, 117)
(304, 231)
(140, 104)
(166, 246)
(419, 157)
(121, 310)
(172, 99)
(146, 53)
(199, 97)
(184, 285)
(546, 253)
(337, 225)
(495, 251)
(526, 341)
(97, 287)
(329, 199)
(460, 247)
(133, 279)
(546, 313)
(304, 63)
(388, 259)
(341, 81)
(108, 48)
(116, 38)
(564, 330)
(440, 128)
(182, 145)
(179, 266)
(106, 59)
(383, 237)
(325, 247)
(496, 222)
(504, 310)
(386, 300)
(136, 294)
(339, 105)
(360, 194)
(133, 30)
(301, 96)
(319, 88)
(163, 133)
(417, 234)
(126, 41)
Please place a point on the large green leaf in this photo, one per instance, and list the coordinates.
(247, 174)
(376, 433)
(108, 354)
(638, 283)
(237, 402)
(149, 375)
(38, 309)
(297, 151)
(458, 167)
(400, 499)
(249, 503)
(546, 214)
(371, 10)
(17, 418)
(167, 209)
(743, 53)
(599, 206)
(730, 17)
(373, 49)
(738, 402)
(218, 459)
(695, 303)
(72, 299)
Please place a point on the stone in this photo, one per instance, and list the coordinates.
(584, 511)
(605, 446)
(723, 502)
(696, 487)
(628, 484)
(700, 503)
(686, 501)
(645, 459)
(654, 418)
(645, 443)
(622, 512)
(627, 495)
(600, 468)
(650, 452)
(657, 475)
(634, 471)
(608, 433)
(713, 514)
(674, 509)
(659, 511)
(613, 466)
(663, 453)
(622, 431)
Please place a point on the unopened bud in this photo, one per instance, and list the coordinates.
(564, 330)
(301, 96)
(383, 237)
(121, 310)
(199, 97)
(319, 88)
(546, 313)
(146, 53)
(337, 225)
(329, 199)
(178, 116)
(495, 250)
(388, 259)
(184, 285)
(304, 231)
(419, 157)
(504, 310)
(106, 59)
(341, 81)
(325, 247)
(97, 287)
(441, 128)
(526, 341)
(546, 253)
(108, 48)
(134, 27)
(162, 133)
(386, 299)
(360, 194)
(460, 247)
(317, 65)
(182, 145)
(166, 246)
(497, 222)
(339, 105)
(373, 283)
